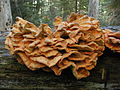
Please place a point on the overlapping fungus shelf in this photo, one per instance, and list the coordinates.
(112, 40)
(76, 43)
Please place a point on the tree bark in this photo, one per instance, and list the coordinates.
(5, 15)
(76, 6)
(93, 8)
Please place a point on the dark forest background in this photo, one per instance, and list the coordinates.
(44, 11)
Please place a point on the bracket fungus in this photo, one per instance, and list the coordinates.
(76, 43)
(112, 40)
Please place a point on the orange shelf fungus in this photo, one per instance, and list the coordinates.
(112, 40)
(76, 43)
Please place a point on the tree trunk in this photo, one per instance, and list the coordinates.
(93, 8)
(5, 15)
(76, 6)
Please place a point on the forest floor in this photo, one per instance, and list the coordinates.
(16, 76)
